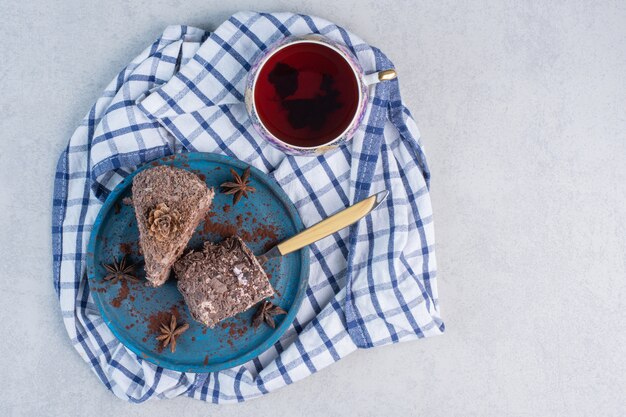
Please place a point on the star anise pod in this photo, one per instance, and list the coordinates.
(170, 333)
(117, 271)
(265, 314)
(239, 186)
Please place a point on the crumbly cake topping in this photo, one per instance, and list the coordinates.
(221, 280)
(169, 204)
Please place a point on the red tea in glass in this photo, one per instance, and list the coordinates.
(306, 94)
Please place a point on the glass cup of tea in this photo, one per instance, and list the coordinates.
(308, 94)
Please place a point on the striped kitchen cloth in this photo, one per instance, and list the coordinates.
(370, 285)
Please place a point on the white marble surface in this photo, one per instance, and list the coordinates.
(522, 108)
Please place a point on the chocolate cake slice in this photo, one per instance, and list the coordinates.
(169, 204)
(221, 280)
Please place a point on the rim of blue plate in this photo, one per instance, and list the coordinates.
(304, 262)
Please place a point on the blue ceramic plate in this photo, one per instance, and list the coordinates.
(134, 311)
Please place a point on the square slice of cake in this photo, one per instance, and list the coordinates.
(221, 280)
(169, 204)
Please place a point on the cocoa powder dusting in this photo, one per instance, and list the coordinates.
(267, 232)
(121, 294)
(156, 319)
(126, 248)
(164, 316)
(134, 313)
(236, 330)
(225, 230)
(239, 332)
(226, 208)
(269, 245)
(222, 229)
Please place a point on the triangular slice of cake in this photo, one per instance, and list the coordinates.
(169, 204)
(221, 280)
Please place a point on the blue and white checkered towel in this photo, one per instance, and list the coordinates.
(371, 285)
